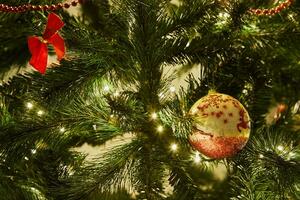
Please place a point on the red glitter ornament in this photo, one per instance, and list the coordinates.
(221, 126)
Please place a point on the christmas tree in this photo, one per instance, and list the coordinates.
(135, 106)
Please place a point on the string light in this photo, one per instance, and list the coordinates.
(154, 116)
(106, 88)
(160, 128)
(40, 113)
(197, 158)
(174, 147)
(29, 105)
(188, 44)
(62, 129)
(116, 94)
(172, 89)
(33, 151)
(26, 158)
(280, 148)
(261, 156)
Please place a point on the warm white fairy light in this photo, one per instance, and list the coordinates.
(280, 148)
(223, 19)
(26, 158)
(172, 89)
(106, 88)
(154, 116)
(160, 128)
(112, 116)
(33, 151)
(116, 94)
(62, 129)
(188, 44)
(29, 105)
(197, 158)
(245, 91)
(40, 113)
(261, 156)
(174, 147)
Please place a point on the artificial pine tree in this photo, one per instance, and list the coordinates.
(115, 88)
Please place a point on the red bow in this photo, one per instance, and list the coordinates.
(38, 46)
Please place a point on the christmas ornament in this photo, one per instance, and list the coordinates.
(271, 11)
(38, 46)
(221, 125)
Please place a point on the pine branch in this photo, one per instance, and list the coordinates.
(268, 168)
(72, 126)
(101, 177)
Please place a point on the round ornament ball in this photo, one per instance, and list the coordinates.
(221, 126)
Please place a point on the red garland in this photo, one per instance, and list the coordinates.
(30, 7)
(38, 46)
(271, 11)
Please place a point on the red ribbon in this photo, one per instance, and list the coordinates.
(38, 46)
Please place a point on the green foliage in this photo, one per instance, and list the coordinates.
(115, 82)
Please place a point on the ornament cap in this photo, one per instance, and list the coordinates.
(212, 91)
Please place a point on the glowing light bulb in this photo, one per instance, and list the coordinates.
(154, 116)
(62, 129)
(197, 158)
(280, 148)
(174, 147)
(106, 88)
(160, 128)
(40, 113)
(172, 89)
(29, 105)
(26, 158)
(116, 94)
(188, 44)
(33, 151)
